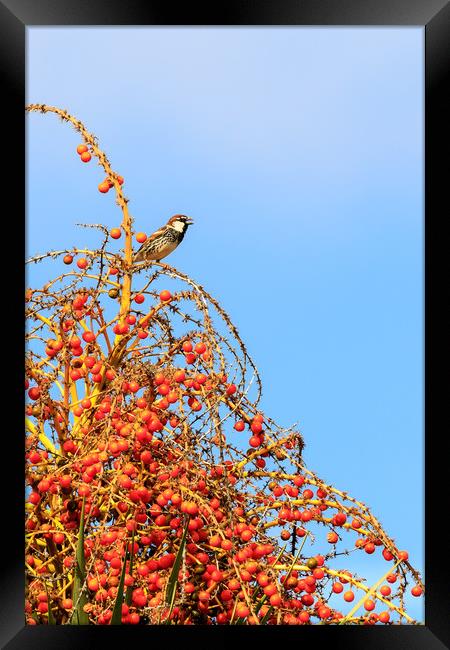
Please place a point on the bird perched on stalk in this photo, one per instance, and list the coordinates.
(164, 240)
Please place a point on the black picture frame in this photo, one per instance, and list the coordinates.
(434, 16)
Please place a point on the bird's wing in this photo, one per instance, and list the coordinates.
(144, 246)
(156, 234)
(153, 236)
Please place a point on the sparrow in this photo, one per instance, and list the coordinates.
(164, 240)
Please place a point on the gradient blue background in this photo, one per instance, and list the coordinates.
(299, 152)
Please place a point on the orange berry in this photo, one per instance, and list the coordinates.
(115, 233)
(275, 600)
(256, 427)
(68, 259)
(369, 605)
(242, 611)
(81, 149)
(82, 263)
(141, 237)
(324, 612)
(387, 555)
(103, 187)
(165, 295)
(86, 156)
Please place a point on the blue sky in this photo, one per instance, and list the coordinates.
(299, 153)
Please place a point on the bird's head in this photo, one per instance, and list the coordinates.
(180, 222)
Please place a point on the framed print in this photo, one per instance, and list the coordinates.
(231, 233)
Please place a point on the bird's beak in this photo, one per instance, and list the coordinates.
(189, 221)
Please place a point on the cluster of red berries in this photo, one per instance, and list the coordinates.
(107, 184)
(83, 152)
(85, 156)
